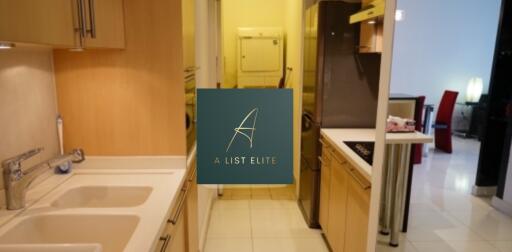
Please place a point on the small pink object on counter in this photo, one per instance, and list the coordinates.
(396, 124)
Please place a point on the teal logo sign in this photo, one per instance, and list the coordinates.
(244, 136)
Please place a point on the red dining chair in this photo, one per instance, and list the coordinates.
(418, 115)
(443, 123)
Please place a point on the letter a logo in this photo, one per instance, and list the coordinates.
(246, 131)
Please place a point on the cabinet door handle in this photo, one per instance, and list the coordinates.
(81, 18)
(192, 174)
(190, 77)
(363, 185)
(337, 159)
(191, 69)
(166, 240)
(181, 204)
(92, 19)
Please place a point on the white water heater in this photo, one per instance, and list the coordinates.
(260, 57)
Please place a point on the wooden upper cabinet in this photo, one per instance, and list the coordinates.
(48, 22)
(370, 37)
(104, 22)
(63, 23)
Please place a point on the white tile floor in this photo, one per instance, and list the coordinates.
(444, 216)
(260, 219)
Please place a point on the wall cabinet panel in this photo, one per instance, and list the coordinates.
(105, 24)
(63, 23)
(49, 22)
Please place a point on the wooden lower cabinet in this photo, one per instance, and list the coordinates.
(178, 242)
(192, 215)
(325, 182)
(344, 203)
(358, 207)
(337, 206)
(181, 232)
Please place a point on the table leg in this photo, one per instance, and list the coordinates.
(397, 200)
(407, 159)
(427, 128)
(388, 190)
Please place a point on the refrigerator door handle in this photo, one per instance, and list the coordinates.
(307, 121)
(359, 66)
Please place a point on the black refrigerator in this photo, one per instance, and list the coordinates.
(340, 89)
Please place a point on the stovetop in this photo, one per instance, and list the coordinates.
(363, 149)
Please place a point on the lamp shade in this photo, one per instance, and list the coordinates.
(474, 90)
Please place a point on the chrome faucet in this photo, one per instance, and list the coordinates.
(16, 180)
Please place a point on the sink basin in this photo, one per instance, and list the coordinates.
(103, 196)
(51, 248)
(112, 232)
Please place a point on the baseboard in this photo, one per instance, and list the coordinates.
(502, 206)
(484, 190)
(206, 223)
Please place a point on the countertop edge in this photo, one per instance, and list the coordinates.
(352, 157)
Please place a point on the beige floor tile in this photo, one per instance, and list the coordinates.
(503, 246)
(280, 223)
(290, 245)
(230, 223)
(461, 233)
(433, 220)
(241, 196)
(283, 196)
(222, 205)
(267, 203)
(260, 191)
(432, 247)
(228, 245)
(458, 234)
(261, 197)
(490, 224)
(473, 246)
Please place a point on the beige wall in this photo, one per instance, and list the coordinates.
(246, 13)
(294, 41)
(28, 104)
(131, 101)
(287, 14)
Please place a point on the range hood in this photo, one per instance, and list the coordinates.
(372, 10)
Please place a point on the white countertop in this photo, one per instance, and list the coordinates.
(336, 138)
(164, 174)
(412, 138)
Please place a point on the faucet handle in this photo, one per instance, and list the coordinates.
(79, 155)
(15, 161)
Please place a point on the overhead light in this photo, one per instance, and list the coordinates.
(474, 89)
(7, 45)
(371, 22)
(399, 15)
(78, 49)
